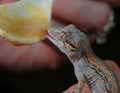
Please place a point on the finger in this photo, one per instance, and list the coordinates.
(115, 67)
(71, 89)
(111, 2)
(85, 89)
(38, 55)
(87, 15)
(7, 1)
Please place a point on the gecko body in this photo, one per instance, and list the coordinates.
(88, 67)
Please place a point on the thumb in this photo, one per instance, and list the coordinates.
(86, 14)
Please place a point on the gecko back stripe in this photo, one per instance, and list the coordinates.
(101, 73)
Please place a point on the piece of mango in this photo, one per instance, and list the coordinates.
(25, 22)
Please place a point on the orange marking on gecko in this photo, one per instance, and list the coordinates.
(91, 58)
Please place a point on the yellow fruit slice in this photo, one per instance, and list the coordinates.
(25, 21)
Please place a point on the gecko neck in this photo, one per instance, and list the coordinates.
(82, 54)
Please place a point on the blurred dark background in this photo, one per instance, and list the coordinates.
(58, 80)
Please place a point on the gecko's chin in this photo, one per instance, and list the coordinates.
(54, 38)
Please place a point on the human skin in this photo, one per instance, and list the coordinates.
(44, 54)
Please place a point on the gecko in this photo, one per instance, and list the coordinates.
(88, 67)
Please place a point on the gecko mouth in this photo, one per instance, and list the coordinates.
(53, 36)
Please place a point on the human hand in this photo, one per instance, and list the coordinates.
(44, 54)
(86, 89)
(88, 15)
(24, 56)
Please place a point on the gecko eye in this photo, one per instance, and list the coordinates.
(62, 36)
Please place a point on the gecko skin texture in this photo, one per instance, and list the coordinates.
(88, 67)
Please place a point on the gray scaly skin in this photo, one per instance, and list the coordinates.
(88, 67)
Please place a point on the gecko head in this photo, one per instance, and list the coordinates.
(68, 39)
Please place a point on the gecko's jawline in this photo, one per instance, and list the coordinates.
(49, 35)
(52, 35)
